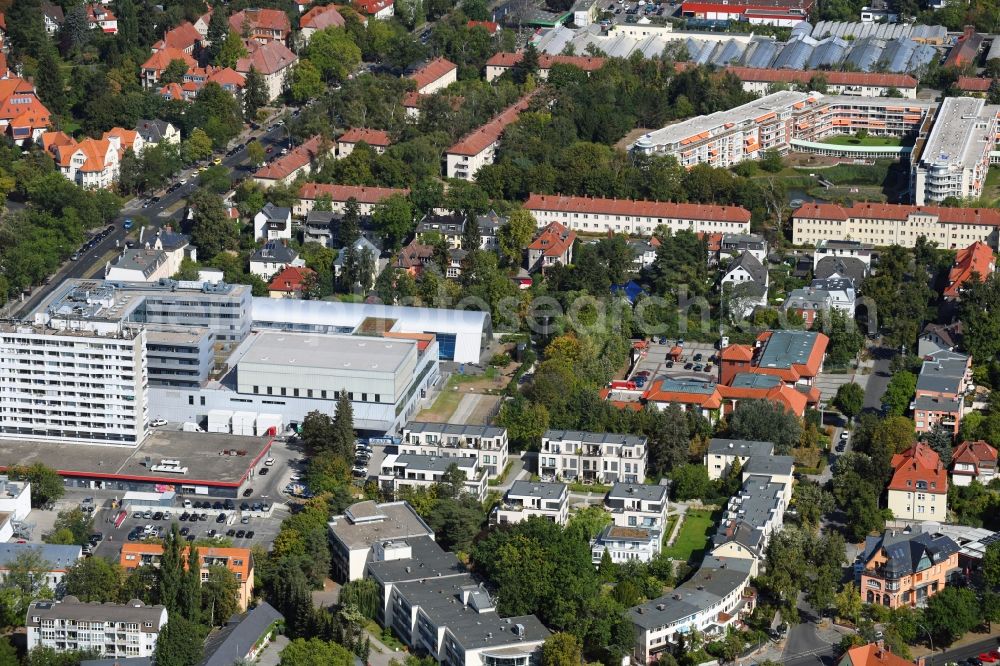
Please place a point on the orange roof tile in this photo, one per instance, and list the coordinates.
(737, 353)
(365, 195)
(873, 655)
(372, 137)
(919, 463)
(183, 38)
(639, 208)
(268, 58)
(296, 158)
(227, 76)
(974, 453)
(899, 212)
(432, 71)
(126, 137)
(545, 61)
(321, 17)
(792, 400)
(480, 139)
(977, 258)
(264, 19)
(173, 91)
(490, 26)
(291, 279)
(553, 240)
(974, 84)
(372, 7)
(161, 59)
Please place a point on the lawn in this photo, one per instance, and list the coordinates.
(445, 404)
(693, 537)
(851, 140)
(991, 189)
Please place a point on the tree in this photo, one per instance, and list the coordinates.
(589, 521)
(766, 421)
(318, 433)
(8, 655)
(315, 652)
(219, 595)
(230, 50)
(452, 481)
(25, 581)
(991, 566)
(691, 482)
(198, 146)
(46, 484)
(393, 219)
(362, 594)
(189, 594)
(772, 161)
(899, 393)
(527, 66)
(94, 579)
(848, 603)
(128, 24)
(818, 83)
(218, 33)
(811, 501)
(306, 82)
(850, 399)
(456, 520)
(255, 93)
(212, 231)
(525, 421)
(73, 523)
(514, 236)
(562, 649)
(171, 571)
(856, 489)
(343, 427)
(179, 642)
(216, 111)
(175, 71)
(334, 53)
(349, 229)
(255, 153)
(50, 84)
(951, 613)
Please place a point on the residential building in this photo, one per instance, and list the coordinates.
(634, 217)
(318, 227)
(861, 84)
(361, 246)
(895, 224)
(489, 230)
(376, 9)
(904, 568)
(100, 396)
(733, 245)
(954, 158)
(154, 132)
(944, 379)
(262, 25)
(111, 630)
(977, 259)
(477, 149)
(796, 357)
(53, 16)
(272, 258)
(273, 60)
(273, 223)
(748, 282)
(22, 114)
(55, 559)
(553, 245)
(634, 506)
(752, 516)
(842, 249)
(366, 197)
(319, 18)
(939, 337)
(377, 140)
(821, 296)
(973, 461)
(410, 470)
(781, 13)
(91, 163)
(593, 457)
(139, 265)
(415, 257)
(919, 486)
(836, 268)
(873, 654)
(243, 639)
(500, 63)
(488, 444)
(449, 228)
(156, 64)
(290, 282)
(238, 560)
(643, 252)
(298, 162)
(355, 534)
(183, 37)
(176, 246)
(527, 499)
(99, 17)
(491, 27)
(974, 85)
(435, 75)
(723, 453)
(624, 544)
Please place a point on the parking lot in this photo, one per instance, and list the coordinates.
(696, 361)
(621, 11)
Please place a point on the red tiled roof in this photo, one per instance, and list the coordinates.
(899, 212)
(737, 353)
(974, 84)
(268, 58)
(172, 91)
(432, 71)
(636, 208)
(321, 17)
(414, 255)
(554, 240)
(291, 279)
(873, 655)
(372, 7)
(478, 140)
(372, 137)
(977, 258)
(974, 453)
(490, 26)
(366, 195)
(919, 463)
(966, 48)
(772, 8)
(160, 60)
(791, 399)
(227, 76)
(797, 370)
(19, 105)
(833, 78)
(183, 37)
(264, 19)
(545, 61)
(296, 158)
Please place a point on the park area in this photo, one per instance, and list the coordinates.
(874, 141)
(693, 537)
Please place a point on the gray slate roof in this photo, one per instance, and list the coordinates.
(643, 491)
(275, 251)
(152, 131)
(942, 372)
(539, 489)
(275, 213)
(740, 447)
(455, 429)
(769, 465)
(142, 260)
(848, 267)
(714, 580)
(906, 553)
(594, 437)
(427, 560)
(58, 557)
(242, 634)
(751, 265)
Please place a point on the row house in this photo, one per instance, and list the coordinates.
(904, 568)
(973, 461)
(261, 25)
(409, 470)
(487, 443)
(237, 560)
(478, 148)
(111, 630)
(365, 197)
(945, 377)
(273, 61)
(919, 486)
(752, 516)
(527, 499)
(500, 63)
(593, 457)
(22, 114)
(863, 84)
(436, 75)
(635, 217)
(298, 162)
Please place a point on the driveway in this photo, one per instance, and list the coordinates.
(878, 380)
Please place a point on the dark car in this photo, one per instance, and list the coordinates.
(230, 532)
(244, 506)
(221, 518)
(217, 506)
(189, 537)
(211, 534)
(158, 515)
(248, 492)
(644, 373)
(250, 534)
(240, 534)
(698, 368)
(263, 471)
(184, 516)
(229, 504)
(96, 537)
(185, 531)
(670, 364)
(203, 517)
(688, 366)
(697, 357)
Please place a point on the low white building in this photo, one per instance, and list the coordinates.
(595, 457)
(446, 440)
(139, 265)
(56, 558)
(111, 630)
(15, 498)
(527, 499)
(722, 453)
(272, 223)
(408, 470)
(746, 282)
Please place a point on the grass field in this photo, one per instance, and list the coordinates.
(693, 537)
(991, 189)
(850, 140)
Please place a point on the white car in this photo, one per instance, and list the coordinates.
(269, 462)
(156, 423)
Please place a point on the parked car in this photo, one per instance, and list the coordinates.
(248, 492)
(221, 518)
(263, 471)
(156, 423)
(249, 534)
(244, 520)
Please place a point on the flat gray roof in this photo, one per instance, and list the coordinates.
(458, 429)
(377, 522)
(333, 352)
(943, 372)
(770, 465)
(595, 437)
(954, 140)
(71, 608)
(141, 259)
(715, 579)
(430, 463)
(929, 404)
(58, 557)
(427, 560)
(739, 447)
(786, 348)
(539, 489)
(642, 491)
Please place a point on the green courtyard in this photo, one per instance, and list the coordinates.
(875, 141)
(693, 538)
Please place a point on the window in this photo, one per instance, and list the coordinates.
(190, 399)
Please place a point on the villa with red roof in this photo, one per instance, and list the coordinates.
(973, 460)
(366, 197)
(435, 75)
(378, 140)
(318, 18)
(290, 282)
(635, 217)
(273, 60)
(157, 63)
(884, 224)
(91, 163)
(182, 38)
(100, 17)
(977, 258)
(22, 114)
(261, 25)
(377, 9)
(919, 486)
(501, 63)
(554, 245)
(478, 148)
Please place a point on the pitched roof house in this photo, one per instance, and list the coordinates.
(318, 18)
(906, 567)
(977, 258)
(973, 460)
(415, 257)
(184, 37)
(273, 61)
(272, 258)
(348, 141)
(91, 163)
(872, 654)
(22, 114)
(298, 161)
(748, 281)
(273, 222)
(553, 245)
(919, 486)
(261, 25)
(157, 63)
(290, 282)
(435, 75)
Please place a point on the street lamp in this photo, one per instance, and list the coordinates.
(929, 637)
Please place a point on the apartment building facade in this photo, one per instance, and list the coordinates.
(73, 385)
(366, 197)
(905, 568)
(639, 518)
(919, 486)
(487, 443)
(527, 499)
(363, 525)
(409, 470)
(862, 84)
(478, 148)
(594, 457)
(58, 560)
(722, 453)
(237, 560)
(112, 630)
(944, 378)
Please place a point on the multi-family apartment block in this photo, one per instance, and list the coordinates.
(111, 630)
(355, 534)
(238, 560)
(446, 440)
(528, 499)
(410, 470)
(903, 568)
(594, 457)
(722, 453)
(639, 518)
(944, 378)
(861, 84)
(919, 486)
(478, 148)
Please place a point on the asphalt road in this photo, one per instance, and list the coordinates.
(92, 263)
(879, 379)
